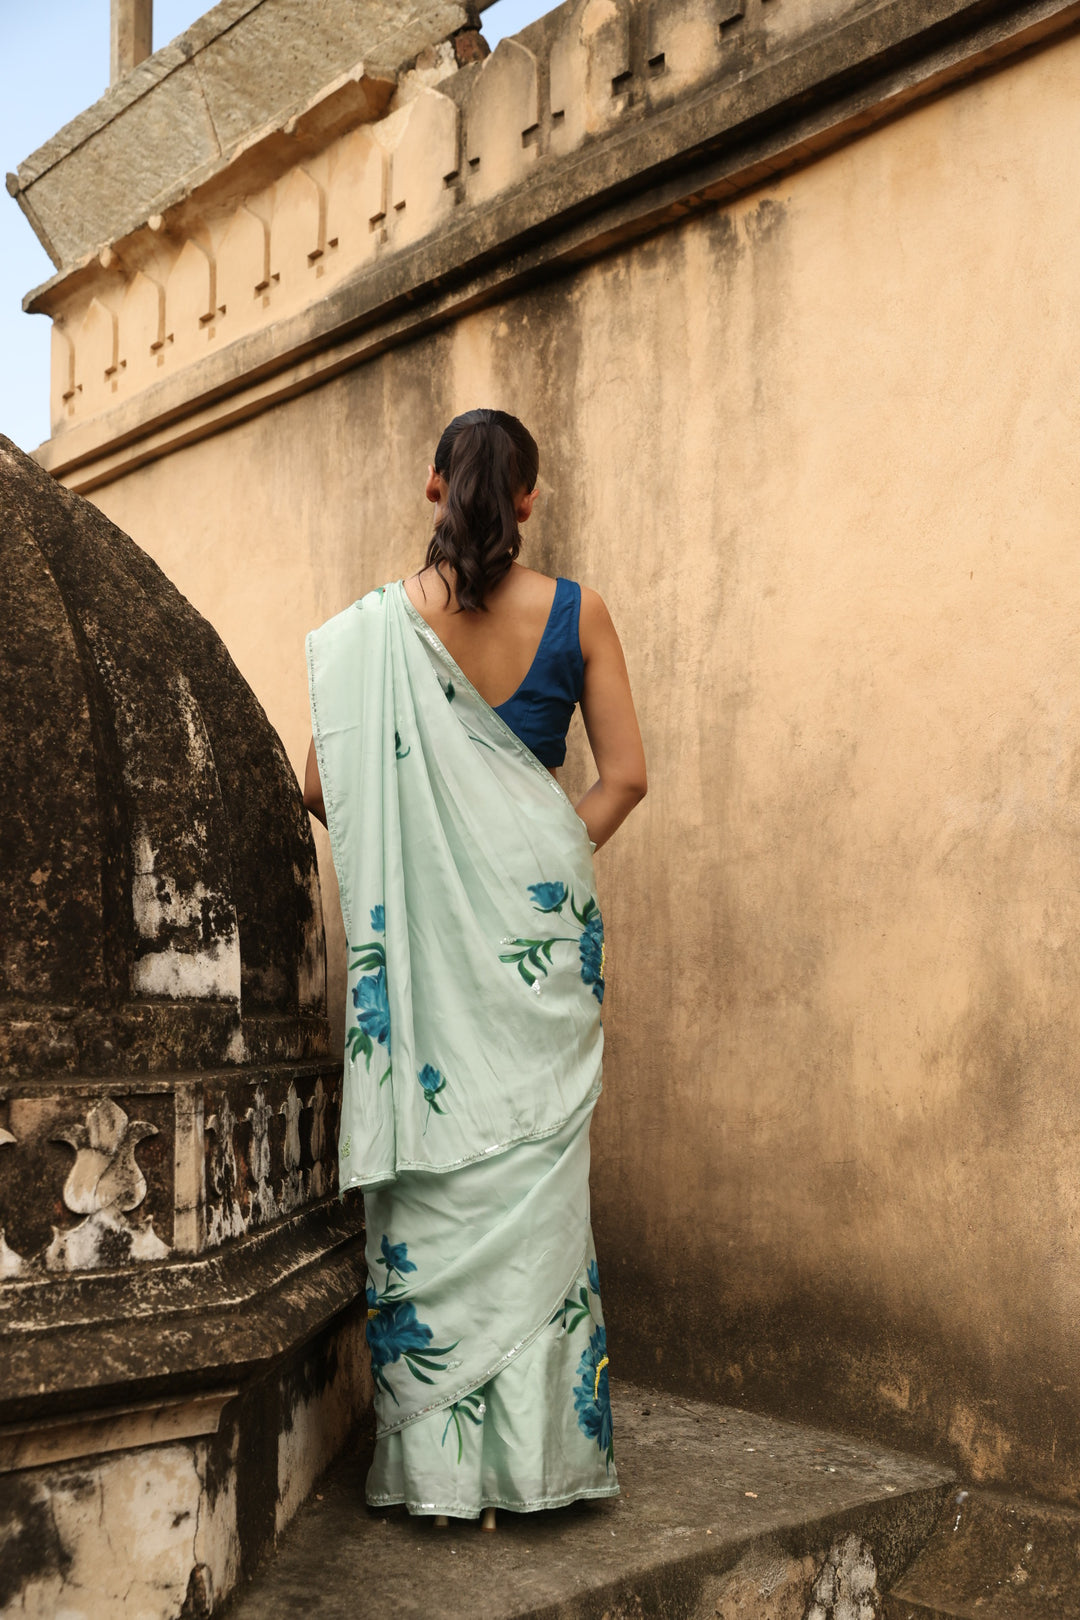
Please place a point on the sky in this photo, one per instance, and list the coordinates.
(54, 63)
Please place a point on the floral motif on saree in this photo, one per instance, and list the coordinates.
(394, 1332)
(533, 956)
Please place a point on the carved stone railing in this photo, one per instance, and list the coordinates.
(169, 1167)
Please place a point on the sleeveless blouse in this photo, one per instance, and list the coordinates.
(541, 709)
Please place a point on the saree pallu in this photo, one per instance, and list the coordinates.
(473, 1059)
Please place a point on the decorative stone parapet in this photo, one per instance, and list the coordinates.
(382, 207)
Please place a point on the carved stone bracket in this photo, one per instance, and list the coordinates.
(104, 1184)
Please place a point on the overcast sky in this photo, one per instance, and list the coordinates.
(54, 61)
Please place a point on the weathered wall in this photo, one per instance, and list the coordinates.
(817, 451)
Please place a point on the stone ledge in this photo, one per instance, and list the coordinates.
(994, 1557)
(47, 1044)
(111, 1428)
(179, 1326)
(696, 153)
(722, 1512)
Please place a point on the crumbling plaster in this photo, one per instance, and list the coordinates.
(83, 1520)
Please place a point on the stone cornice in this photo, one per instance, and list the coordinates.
(190, 109)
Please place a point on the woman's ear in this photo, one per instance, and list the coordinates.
(435, 488)
(524, 504)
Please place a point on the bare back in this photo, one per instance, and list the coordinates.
(495, 648)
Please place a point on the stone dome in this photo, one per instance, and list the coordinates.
(161, 902)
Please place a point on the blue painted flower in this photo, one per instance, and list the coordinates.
(593, 1274)
(395, 1257)
(547, 896)
(394, 1330)
(373, 1007)
(378, 918)
(431, 1081)
(592, 1398)
(431, 1084)
(591, 946)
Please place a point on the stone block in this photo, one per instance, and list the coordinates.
(142, 331)
(422, 139)
(61, 374)
(591, 71)
(193, 108)
(119, 1534)
(297, 237)
(682, 47)
(243, 272)
(96, 358)
(189, 304)
(357, 199)
(157, 137)
(502, 120)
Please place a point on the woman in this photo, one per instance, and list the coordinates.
(440, 705)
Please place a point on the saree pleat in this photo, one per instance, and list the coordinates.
(473, 1059)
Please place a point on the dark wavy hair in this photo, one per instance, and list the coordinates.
(487, 458)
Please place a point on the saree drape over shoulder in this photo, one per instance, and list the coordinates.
(473, 1060)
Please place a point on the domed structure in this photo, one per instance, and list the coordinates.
(162, 897)
(177, 1275)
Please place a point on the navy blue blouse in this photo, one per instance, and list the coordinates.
(540, 711)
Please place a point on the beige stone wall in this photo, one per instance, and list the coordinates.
(817, 450)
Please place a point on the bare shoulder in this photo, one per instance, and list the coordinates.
(593, 605)
(594, 621)
(525, 591)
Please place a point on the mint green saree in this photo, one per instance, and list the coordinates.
(473, 1057)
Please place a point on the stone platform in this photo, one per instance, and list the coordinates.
(722, 1513)
(993, 1558)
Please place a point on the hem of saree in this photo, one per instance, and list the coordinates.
(511, 736)
(496, 1367)
(538, 1135)
(460, 1510)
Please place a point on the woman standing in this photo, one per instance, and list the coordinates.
(440, 706)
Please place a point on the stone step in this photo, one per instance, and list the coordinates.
(722, 1514)
(994, 1558)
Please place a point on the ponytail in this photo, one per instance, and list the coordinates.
(487, 459)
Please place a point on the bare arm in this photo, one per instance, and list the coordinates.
(607, 708)
(313, 799)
